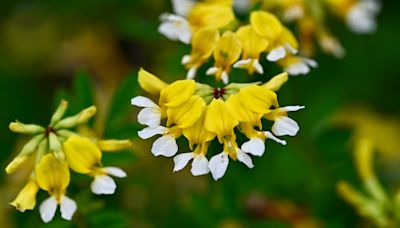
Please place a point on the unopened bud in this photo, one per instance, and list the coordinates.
(16, 163)
(80, 118)
(59, 113)
(56, 147)
(19, 127)
(113, 145)
(276, 82)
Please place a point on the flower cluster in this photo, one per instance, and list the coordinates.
(55, 150)
(201, 114)
(213, 30)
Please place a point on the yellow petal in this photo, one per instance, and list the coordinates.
(276, 82)
(288, 37)
(240, 113)
(111, 145)
(218, 120)
(203, 43)
(252, 43)
(257, 99)
(52, 174)
(187, 113)
(266, 24)
(26, 198)
(177, 93)
(82, 154)
(227, 50)
(197, 133)
(150, 83)
(215, 15)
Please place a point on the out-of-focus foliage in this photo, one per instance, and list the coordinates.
(43, 45)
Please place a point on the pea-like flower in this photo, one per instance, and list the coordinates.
(201, 114)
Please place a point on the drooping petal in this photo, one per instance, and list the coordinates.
(26, 199)
(186, 114)
(197, 133)
(276, 82)
(200, 165)
(276, 54)
(103, 184)
(285, 126)
(218, 120)
(143, 102)
(181, 160)
(292, 108)
(67, 208)
(115, 171)
(218, 165)
(48, 209)
(82, 154)
(150, 117)
(149, 132)
(254, 146)
(269, 135)
(52, 174)
(165, 146)
(244, 158)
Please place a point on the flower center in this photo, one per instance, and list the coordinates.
(219, 92)
(49, 130)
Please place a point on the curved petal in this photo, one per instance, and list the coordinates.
(115, 171)
(67, 208)
(218, 165)
(103, 184)
(244, 158)
(149, 132)
(144, 102)
(254, 146)
(165, 146)
(48, 209)
(285, 126)
(200, 165)
(150, 117)
(181, 160)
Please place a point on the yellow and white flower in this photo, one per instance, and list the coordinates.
(53, 176)
(283, 125)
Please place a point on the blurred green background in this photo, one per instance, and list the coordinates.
(90, 52)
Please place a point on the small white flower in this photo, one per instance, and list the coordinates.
(175, 27)
(284, 125)
(199, 164)
(151, 114)
(301, 67)
(48, 208)
(104, 184)
(361, 18)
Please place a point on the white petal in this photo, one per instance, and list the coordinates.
(181, 160)
(149, 132)
(218, 165)
(225, 77)
(293, 13)
(269, 135)
(212, 71)
(186, 59)
(48, 209)
(182, 7)
(257, 66)
(361, 17)
(285, 126)
(242, 63)
(200, 165)
(276, 54)
(244, 158)
(144, 102)
(150, 117)
(115, 171)
(165, 146)
(292, 108)
(290, 48)
(311, 62)
(298, 68)
(254, 146)
(191, 74)
(103, 184)
(67, 208)
(241, 5)
(175, 27)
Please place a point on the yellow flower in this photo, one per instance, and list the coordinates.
(253, 46)
(226, 52)
(53, 176)
(26, 199)
(83, 156)
(283, 125)
(150, 83)
(211, 15)
(203, 44)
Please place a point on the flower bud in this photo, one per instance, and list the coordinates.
(59, 113)
(113, 145)
(80, 118)
(56, 147)
(19, 127)
(276, 82)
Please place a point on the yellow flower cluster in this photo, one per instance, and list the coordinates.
(201, 113)
(56, 149)
(213, 31)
